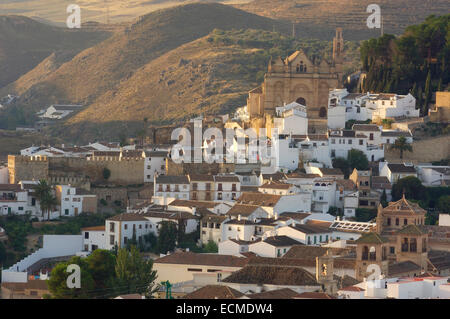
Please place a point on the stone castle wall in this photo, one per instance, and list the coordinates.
(427, 150)
(65, 170)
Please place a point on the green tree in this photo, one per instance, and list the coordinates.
(402, 145)
(134, 274)
(357, 159)
(427, 94)
(383, 198)
(167, 239)
(58, 281)
(411, 186)
(343, 165)
(102, 268)
(211, 247)
(42, 192)
(444, 204)
(2, 254)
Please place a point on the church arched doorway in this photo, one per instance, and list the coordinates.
(301, 101)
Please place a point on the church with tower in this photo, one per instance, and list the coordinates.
(298, 79)
(398, 240)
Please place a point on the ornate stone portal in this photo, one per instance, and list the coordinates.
(298, 79)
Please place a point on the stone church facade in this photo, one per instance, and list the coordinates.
(299, 79)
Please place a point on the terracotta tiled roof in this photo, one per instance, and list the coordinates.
(403, 207)
(272, 275)
(314, 251)
(94, 228)
(365, 127)
(168, 179)
(401, 168)
(284, 293)
(215, 292)
(128, 217)
(276, 185)
(314, 295)
(193, 203)
(226, 179)
(371, 238)
(201, 178)
(259, 199)
(402, 267)
(352, 288)
(241, 209)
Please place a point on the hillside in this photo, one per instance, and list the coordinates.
(321, 16)
(95, 10)
(211, 75)
(24, 43)
(96, 73)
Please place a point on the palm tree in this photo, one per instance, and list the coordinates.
(402, 145)
(48, 202)
(41, 191)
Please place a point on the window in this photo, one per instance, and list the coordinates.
(86, 235)
(125, 226)
(405, 222)
(125, 240)
(333, 141)
(140, 226)
(111, 239)
(397, 222)
(361, 142)
(389, 222)
(350, 141)
(86, 247)
(219, 187)
(66, 212)
(371, 136)
(392, 250)
(195, 269)
(111, 227)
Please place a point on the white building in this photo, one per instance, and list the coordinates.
(305, 233)
(58, 112)
(227, 187)
(93, 238)
(74, 201)
(291, 119)
(155, 164)
(394, 172)
(434, 175)
(273, 246)
(168, 188)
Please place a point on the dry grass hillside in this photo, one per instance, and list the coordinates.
(94, 76)
(323, 15)
(24, 43)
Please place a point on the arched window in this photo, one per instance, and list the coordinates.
(365, 253)
(372, 253)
